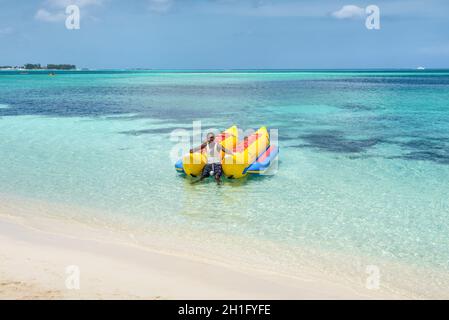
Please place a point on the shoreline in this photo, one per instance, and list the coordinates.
(37, 250)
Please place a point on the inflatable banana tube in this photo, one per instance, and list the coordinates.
(246, 153)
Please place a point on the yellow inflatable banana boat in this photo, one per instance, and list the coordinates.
(192, 164)
(246, 153)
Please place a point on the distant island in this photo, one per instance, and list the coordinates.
(31, 66)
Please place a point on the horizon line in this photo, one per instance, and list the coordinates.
(231, 69)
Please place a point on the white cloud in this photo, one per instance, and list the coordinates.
(160, 6)
(44, 15)
(348, 12)
(54, 10)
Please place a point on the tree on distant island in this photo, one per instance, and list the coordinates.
(37, 66)
(31, 66)
(61, 66)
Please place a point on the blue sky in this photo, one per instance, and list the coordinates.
(191, 34)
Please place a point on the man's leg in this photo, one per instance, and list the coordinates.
(218, 173)
(198, 180)
(204, 174)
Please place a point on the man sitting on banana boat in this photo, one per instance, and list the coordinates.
(213, 153)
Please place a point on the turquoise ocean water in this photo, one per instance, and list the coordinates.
(363, 170)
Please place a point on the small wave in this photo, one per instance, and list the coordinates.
(4, 106)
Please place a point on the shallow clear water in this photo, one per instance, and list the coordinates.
(364, 163)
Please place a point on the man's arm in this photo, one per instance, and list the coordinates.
(225, 150)
(200, 147)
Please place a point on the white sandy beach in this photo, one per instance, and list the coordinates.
(36, 251)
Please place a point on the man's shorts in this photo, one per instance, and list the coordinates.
(215, 167)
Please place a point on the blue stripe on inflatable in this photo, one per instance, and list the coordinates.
(257, 167)
(178, 166)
